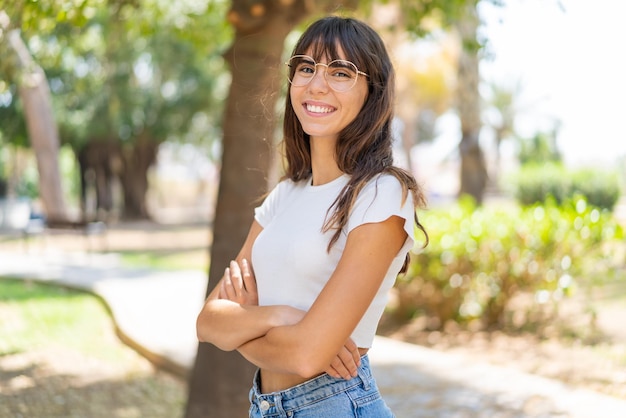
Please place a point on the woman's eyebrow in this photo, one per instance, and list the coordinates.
(342, 64)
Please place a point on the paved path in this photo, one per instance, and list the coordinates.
(155, 314)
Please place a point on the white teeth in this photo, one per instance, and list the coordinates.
(318, 109)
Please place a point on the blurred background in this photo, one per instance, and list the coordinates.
(131, 128)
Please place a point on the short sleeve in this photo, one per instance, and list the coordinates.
(264, 213)
(381, 199)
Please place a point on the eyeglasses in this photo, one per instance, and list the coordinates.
(341, 75)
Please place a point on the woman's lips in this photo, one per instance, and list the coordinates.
(318, 108)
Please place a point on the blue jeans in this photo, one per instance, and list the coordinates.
(323, 396)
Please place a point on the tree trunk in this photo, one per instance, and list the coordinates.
(99, 162)
(473, 170)
(44, 135)
(220, 381)
(137, 158)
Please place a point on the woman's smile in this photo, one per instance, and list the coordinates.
(318, 109)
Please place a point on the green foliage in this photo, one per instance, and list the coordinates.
(601, 188)
(480, 258)
(122, 69)
(28, 184)
(537, 183)
(12, 126)
(3, 174)
(45, 15)
(70, 173)
(445, 12)
(539, 149)
(125, 72)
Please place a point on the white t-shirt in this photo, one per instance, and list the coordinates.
(290, 258)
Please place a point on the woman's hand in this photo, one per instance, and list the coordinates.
(239, 284)
(346, 362)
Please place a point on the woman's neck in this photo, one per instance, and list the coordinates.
(325, 176)
(323, 163)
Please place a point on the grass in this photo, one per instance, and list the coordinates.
(167, 260)
(35, 315)
(59, 356)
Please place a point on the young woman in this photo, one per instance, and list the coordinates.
(304, 296)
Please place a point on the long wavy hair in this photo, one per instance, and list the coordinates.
(364, 147)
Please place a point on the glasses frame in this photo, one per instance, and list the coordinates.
(315, 64)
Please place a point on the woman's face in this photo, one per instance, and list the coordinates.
(322, 111)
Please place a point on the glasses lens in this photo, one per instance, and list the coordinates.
(341, 75)
(302, 68)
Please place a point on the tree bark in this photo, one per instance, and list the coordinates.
(473, 170)
(137, 158)
(44, 135)
(220, 381)
(100, 165)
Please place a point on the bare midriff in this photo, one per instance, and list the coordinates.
(274, 381)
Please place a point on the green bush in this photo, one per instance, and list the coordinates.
(480, 258)
(539, 149)
(600, 188)
(537, 183)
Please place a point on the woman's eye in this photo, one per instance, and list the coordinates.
(306, 69)
(341, 74)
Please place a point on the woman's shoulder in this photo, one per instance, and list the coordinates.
(386, 181)
(286, 184)
(383, 196)
(285, 188)
(388, 189)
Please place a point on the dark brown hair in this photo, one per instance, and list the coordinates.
(364, 147)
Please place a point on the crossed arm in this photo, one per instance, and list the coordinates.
(285, 339)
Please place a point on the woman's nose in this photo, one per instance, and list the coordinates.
(319, 80)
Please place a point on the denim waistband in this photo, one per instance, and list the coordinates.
(311, 391)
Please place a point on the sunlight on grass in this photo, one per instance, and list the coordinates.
(60, 356)
(36, 315)
(187, 260)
